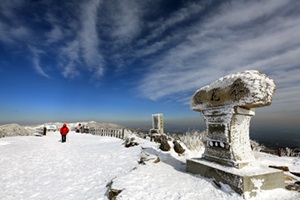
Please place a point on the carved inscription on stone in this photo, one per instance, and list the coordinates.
(216, 132)
(219, 97)
(237, 90)
(215, 96)
(216, 128)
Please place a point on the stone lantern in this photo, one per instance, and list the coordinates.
(227, 106)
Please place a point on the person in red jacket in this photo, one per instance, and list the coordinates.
(64, 131)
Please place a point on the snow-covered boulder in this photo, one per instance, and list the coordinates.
(164, 145)
(14, 130)
(178, 148)
(130, 142)
(2, 134)
(247, 89)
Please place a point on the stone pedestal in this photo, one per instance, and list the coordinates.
(246, 181)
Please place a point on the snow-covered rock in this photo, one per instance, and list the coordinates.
(130, 142)
(164, 145)
(178, 148)
(15, 130)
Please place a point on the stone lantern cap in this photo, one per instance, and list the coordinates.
(247, 89)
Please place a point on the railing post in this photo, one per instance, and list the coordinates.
(123, 133)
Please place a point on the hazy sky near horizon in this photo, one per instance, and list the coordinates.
(123, 60)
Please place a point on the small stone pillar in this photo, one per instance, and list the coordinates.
(157, 123)
(227, 106)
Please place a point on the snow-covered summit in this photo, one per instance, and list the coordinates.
(86, 166)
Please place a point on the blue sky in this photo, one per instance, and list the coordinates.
(123, 60)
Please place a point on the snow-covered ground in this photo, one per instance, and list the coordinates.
(44, 168)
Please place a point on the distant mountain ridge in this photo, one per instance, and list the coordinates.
(75, 124)
(18, 130)
(15, 130)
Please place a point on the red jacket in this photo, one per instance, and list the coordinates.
(64, 130)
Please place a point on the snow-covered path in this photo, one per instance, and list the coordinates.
(44, 168)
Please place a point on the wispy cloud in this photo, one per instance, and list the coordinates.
(36, 61)
(147, 38)
(79, 50)
(162, 25)
(9, 7)
(14, 32)
(11, 29)
(55, 35)
(73, 38)
(88, 37)
(237, 36)
(126, 20)
(70, 59)
(4, 36)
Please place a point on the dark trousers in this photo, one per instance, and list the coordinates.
(63, 138)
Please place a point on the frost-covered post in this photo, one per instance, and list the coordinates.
(227, 106)
(157, 123)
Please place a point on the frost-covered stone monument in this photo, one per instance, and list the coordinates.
(157, 123)
(227, 106)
